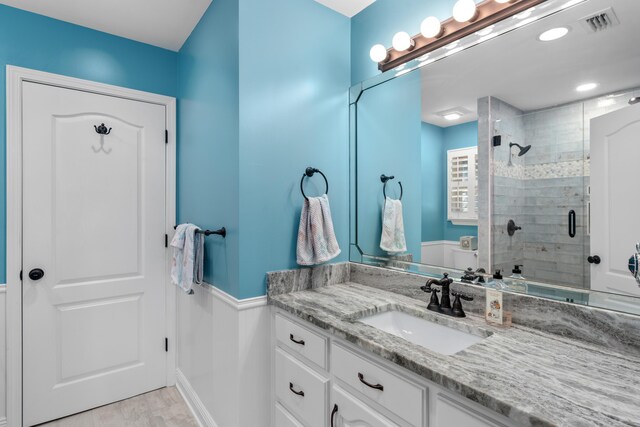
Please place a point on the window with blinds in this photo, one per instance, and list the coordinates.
(462, 185)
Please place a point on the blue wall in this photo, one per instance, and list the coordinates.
(208, 160)
(294, 81)
(380, 21)
(258, 104)
(434, 183)
(389, 140)
(41, 43)
(436, 141)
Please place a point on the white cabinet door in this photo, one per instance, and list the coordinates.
(94, 222)
(450, 413)
(615, 205)
(347, 411)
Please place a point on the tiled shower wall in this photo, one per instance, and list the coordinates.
(540, 188)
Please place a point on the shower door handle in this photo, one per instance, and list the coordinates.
(572, 223)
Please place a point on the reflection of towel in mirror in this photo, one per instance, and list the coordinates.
(316, 239)
(188, 257)
(392, 239)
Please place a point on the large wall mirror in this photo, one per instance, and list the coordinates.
(519, 154)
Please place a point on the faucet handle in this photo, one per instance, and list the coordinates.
(462, 296)
(457, 310)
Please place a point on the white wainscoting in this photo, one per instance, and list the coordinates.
(438, 252)
(3, 357)
(223, 360)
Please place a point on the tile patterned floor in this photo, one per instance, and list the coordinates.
(160, 408)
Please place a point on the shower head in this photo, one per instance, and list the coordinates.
(523, 150)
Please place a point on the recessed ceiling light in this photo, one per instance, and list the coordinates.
(452, 116)
(586, 87)
(553, 34)
(454, 51)
(525, 14)
(486, 31)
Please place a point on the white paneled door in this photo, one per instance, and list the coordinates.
(615, 201)
(93, 250)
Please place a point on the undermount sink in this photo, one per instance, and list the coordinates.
(433, 336)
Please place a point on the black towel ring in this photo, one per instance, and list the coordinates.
(384, 179)
(309, 173)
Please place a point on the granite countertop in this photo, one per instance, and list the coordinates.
(532, 377)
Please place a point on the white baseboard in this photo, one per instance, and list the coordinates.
(193, 401)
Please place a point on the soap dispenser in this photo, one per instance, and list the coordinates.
(516, 282)
(496, 281)
(517, 272)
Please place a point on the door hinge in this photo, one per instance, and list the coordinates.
(166, 136)
(21, 275)
(166, 240)
(166, 344)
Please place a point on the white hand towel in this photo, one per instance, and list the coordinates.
(316, 239)
(392, 239)
(188, 257)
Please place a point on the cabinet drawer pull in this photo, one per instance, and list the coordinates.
(376, 386)
(301, 342)
(299, 393)
(333, 413)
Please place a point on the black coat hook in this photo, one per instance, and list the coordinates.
(102, 129)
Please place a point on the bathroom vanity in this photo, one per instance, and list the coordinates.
(339, 362)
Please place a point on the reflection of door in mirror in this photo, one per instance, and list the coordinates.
(449, 195)
(615, 199)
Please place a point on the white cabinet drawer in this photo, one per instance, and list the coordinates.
(449, 412)
(405, 399)
(301, 390)
(347, 411)
(284, 418)
(302, 341)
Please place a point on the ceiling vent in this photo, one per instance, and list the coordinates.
(598, 22)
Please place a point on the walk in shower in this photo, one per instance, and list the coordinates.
(541, 185)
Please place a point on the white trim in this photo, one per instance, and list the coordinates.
(238, 304)
(193, 401)
(441, 242)
(3, 288)
(15, 77)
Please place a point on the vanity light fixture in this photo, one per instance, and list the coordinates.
(586, 87)
(465, 11)
(431, 27)
(553, 34)
(378, 53)
(402, 41)
(468, 18)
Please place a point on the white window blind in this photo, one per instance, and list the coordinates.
(462, 185)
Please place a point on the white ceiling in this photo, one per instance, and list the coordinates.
(163, 23)
(530, 74)
(347, 7)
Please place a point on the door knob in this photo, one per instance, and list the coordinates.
(36, 274)
(595, 259)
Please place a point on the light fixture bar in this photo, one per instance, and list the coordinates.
(489, 12)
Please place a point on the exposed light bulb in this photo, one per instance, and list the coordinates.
(431, 27)
(402, 41)
(378, 53)
(464, 10)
